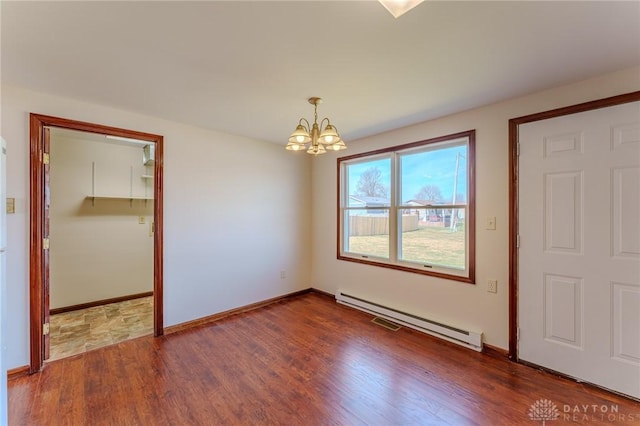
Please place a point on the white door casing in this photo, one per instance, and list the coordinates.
(579, 255)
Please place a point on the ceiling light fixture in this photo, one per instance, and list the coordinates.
(311, 138)
(399, 7)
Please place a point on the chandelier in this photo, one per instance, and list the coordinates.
(311, 138)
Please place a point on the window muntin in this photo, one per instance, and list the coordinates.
(427, 225)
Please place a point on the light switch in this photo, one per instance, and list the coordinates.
(141, 220)
(491, 223)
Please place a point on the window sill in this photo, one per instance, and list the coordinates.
(414, 270)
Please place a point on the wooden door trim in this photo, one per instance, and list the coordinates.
(514, 123)
(37, 123)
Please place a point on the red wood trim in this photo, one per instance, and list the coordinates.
(339, 215)
(471, 202)
(158, 235)
(471, 183)
(242, 309)
(574, 109)
(513, 194)
(407, 145)
(398, 267)
(79, 306)
(513, 233)
(495, 351)
(83, 126)
(36, 271)
(36, 234)
(17, 372)
(322, 293)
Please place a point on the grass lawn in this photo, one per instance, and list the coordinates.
(428, 244)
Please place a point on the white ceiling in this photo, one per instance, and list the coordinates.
(248, 67)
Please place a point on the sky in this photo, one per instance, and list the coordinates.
(436, 167)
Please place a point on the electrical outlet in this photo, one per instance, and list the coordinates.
(283, 275)
(492, 286)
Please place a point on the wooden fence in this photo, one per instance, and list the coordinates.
(364, 225)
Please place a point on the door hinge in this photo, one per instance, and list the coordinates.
(518, 334)
(45, 244)
(45, 158)
(518, 241)
(45, 329)
(518, 150)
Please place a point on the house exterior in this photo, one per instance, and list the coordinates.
(435, 216)
(362, 201)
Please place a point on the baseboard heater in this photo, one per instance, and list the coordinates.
(469, 339)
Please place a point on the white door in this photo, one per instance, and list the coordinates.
(579, 255)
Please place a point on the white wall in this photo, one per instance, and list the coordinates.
(464, 305)
(236, 213)
(99, 250)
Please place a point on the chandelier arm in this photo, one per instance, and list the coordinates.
(308, 128)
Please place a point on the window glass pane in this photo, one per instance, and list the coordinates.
(369, 184)
(411, 207)
(367, 233)
(433, 237)
(434, 176)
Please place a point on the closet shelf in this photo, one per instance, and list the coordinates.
(93, 198)
(116, 197)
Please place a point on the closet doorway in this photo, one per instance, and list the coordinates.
(117, 194)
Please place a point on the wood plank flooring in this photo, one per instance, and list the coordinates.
(301, 361)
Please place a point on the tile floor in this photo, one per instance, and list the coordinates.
(79, 331)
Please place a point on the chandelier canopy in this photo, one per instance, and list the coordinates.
(311, 138)
(399, 7)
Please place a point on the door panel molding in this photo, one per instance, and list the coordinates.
(514, 124)
(37, 265)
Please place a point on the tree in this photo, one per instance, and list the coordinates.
(370, 184)
(429, 193)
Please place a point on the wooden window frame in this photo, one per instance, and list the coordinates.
(393, 262)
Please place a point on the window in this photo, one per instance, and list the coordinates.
(411, 207)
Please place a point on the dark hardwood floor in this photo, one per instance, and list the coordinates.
(301, 361)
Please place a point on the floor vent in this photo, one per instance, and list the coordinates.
(386, 324)
(466, 338)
